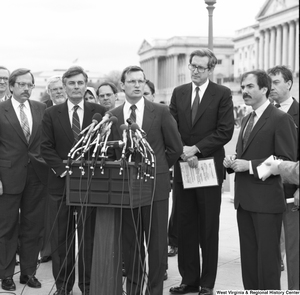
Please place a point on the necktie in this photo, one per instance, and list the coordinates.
(133, 114)
(75, 123)
(248, 129)
(24, 122)
(277, 105)
(195, 104)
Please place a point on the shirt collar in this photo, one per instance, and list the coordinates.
(287, 102)
(16, 104)
(139, 105)
(71, 105)
(202, 87)
(259, 111)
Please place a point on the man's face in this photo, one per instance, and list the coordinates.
(107, 97)
(22, 88)
(4, 75)
(148, 94)
(197, 77)
(75, 88)
(57, 92)
(252, 95)
(280, 89)
(134, 86)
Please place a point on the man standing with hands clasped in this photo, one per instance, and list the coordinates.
(204, 114)
(260, 204)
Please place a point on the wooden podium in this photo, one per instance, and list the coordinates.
(109, 190)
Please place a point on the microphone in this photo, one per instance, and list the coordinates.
(115, 143)
(129, 121)
(124, 134)
(131, 148)
(104, 120)
(95, 120)
(107, 131)
(135, 127)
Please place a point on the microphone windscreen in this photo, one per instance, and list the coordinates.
(135, 127)
(109, 114)
(97, 117)
(113, 119)
(123, 127)
(129, 121)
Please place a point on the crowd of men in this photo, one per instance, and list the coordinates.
(36, 137)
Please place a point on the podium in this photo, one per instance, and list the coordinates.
(110, 186)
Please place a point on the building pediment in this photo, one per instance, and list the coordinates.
(144, 47)
(273, 6)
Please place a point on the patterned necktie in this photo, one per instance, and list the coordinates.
(277, 105)
(133, 114)
(75, 123)
(248, 129)
(195, 104)
(24, 122)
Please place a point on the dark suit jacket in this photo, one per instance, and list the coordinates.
(213, 126)
(15, 152)
(273, 134)
(49, 103)
(163, 137)
(58, 139)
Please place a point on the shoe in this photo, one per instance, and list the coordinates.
(183, 289)
(173, 251)
(8, 284)
(45, 259)
(30, 281)
(62, 291)
(206, 291)
(165, 276)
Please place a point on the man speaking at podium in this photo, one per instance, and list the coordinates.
(59, 135)
(147, 224)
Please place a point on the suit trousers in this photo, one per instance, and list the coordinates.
(260, 249)
(22, 217)
(145, 226)
(291, 234)
(198, 224)
(64, 221)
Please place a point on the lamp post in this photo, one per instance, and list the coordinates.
(210, 7)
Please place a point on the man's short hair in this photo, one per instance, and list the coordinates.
(262, 78)
(111, 85)
(51, 80)
(4, 68)
(285, 72)
(151, 86)
(129, 70)
(212, 60)
(16, 73)
(73, 71)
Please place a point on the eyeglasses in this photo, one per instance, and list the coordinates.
(56, 89)
(199, 69)
(133, 82)
(23, 85)
(4, 78)
(108, 95)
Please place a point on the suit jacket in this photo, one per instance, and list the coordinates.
(15, 152)
(58, 139)
(163, 137)
(49, 103)
(213, 126)
(273, 134)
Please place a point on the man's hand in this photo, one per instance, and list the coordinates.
(193, 162)
(240, 165)
(190, 151)
(228, 160)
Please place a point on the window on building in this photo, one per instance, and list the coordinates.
(232, 62)
(219, 61)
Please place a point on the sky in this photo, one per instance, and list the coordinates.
(105, 35)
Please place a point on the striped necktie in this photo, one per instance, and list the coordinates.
(75, 123)
(277, 105)
(133, 113)
(195, 104)
(248, 129)
(24, 123)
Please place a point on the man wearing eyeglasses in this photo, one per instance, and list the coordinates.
(23, 174)
(107, 94)
(204, 114)
(61, 125)
(4, 75)
(147, 224)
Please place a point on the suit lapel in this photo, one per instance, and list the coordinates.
(294, 112)
(63, 117)
(36, 119)
(186, 103)
(149, 116)
(118, 112)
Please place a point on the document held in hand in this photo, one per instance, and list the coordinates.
(204, 175)
(264, 170)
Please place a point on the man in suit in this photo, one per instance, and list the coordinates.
(282, 82)
(260, 204)
(107, 94)
(58, 137)
(204, 114)
(23, 174)
(147, 223)
(4, 75)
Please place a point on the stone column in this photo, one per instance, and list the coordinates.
(278, 52)
(261, 50)
(284, 44)
(291, 57)
(175, 68)
(267, 49)
(297, 48)
(256, 64)
(155, 72)
(272, 48)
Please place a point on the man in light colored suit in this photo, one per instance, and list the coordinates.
(147, 223)
(23, 174)
(260, 204)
